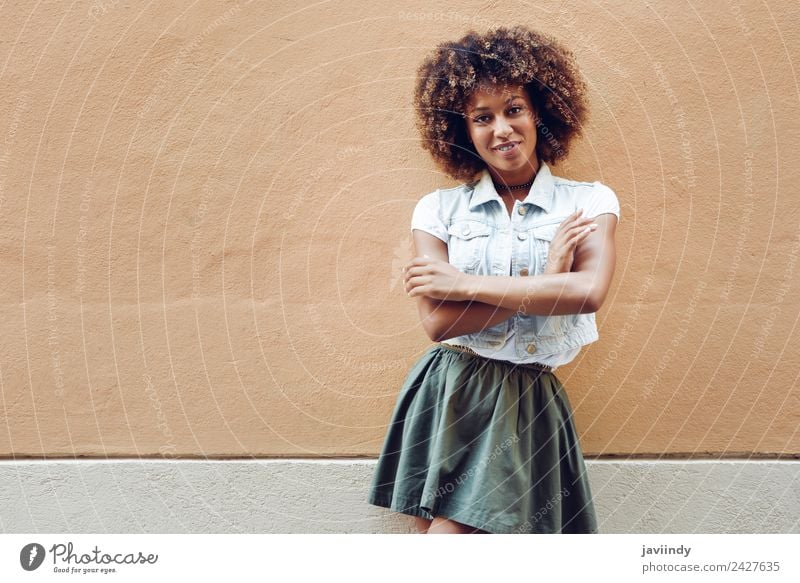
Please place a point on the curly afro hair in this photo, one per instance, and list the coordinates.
(507, 56)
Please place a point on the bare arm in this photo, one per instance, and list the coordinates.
(443, 319)
(580, 291)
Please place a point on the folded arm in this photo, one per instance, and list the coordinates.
(580, 291)
(443, 319)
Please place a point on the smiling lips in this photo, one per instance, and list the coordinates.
(507, 152)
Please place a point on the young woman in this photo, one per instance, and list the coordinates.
(510, 267)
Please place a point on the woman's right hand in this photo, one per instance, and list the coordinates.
(571, 232)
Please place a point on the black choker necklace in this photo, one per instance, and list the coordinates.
(512, 186)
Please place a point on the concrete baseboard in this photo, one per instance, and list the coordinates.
(329, 496)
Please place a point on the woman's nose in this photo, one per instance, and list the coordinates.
(502, 128)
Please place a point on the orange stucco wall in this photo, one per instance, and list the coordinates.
(205, 209)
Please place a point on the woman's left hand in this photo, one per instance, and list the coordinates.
(437, 279)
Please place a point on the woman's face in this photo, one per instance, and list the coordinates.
(504, 114)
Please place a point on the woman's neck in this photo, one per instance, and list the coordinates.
(503, 181)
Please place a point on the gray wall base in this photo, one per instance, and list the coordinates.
(329, 496)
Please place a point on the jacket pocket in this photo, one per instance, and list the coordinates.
(541, 325)
(541, 237)
(467, 246)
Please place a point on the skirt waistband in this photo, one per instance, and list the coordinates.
(467, 350)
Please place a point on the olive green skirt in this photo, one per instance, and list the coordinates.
(486, 443)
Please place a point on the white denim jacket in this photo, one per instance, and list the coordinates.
(482, 239)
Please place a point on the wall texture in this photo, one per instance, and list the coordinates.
(327, 496)
(205, 209)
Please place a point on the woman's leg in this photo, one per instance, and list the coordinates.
(423, 524)
(442, 525)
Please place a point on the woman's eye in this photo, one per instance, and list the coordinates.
(482, 119)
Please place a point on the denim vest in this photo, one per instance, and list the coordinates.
(484, 240)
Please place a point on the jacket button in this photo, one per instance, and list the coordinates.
(523, 272)
(522, 210)
(465, 230)
(522, 236)
(531, 348)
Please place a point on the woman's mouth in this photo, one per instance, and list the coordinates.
(507, 150)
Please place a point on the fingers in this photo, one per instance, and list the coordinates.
(421, 286)
(570, 219)
(422, 265)
(412, 271)
(583, 226)
(574, 220)
(418, 261)
(578, 227)
(412, 284)
(581, 235)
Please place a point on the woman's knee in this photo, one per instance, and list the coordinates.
(442, 525)
(423, 524)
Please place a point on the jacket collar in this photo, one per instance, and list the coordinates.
(540, 194)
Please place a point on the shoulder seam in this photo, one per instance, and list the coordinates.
(568, 182)
(459, 187)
